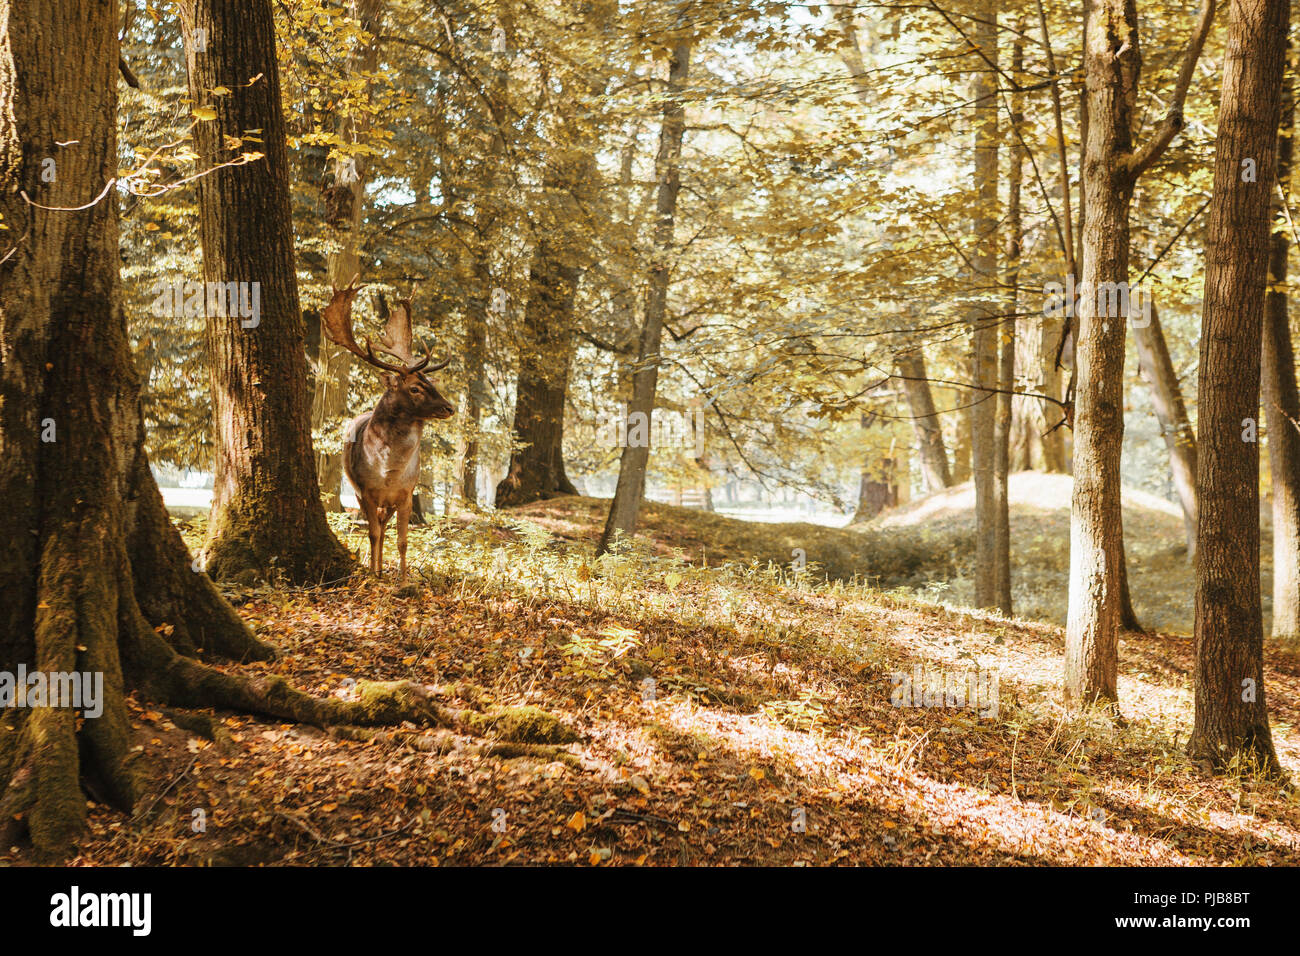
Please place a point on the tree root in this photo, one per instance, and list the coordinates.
(445, 741)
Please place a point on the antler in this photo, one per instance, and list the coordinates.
(398, 338)
(336, 319)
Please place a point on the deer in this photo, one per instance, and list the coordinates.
(381, 451)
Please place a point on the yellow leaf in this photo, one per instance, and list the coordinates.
(577, 822)
(205, 113)
(757, 773)
(220, 91)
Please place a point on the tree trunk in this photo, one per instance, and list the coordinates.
(629, 491)
(925, 421)
(984, 321)
(266, 508)
(545, 354)
(1280, 398)
(1096, 541)
(1231, 712)
(1055, 460)
(961, 450)
(1167, 398)
(475, 386)
(1007, 366)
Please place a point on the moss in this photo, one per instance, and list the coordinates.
(243, 538)
(388, 702)
(523, 724)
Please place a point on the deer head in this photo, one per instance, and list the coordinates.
(410, 393)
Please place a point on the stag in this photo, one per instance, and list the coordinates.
(381, 455)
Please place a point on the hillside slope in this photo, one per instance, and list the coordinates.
(705, 715)
(1160, 576)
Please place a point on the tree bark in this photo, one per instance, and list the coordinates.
(1278, 386)
(1171, 412)
(1231, 712)
(1007, 364)
(630, 490)
(1096, 542)
(266, 509)
(984, 321)
(546, 352)
(935, 471)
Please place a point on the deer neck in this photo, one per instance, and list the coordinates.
(393, 425)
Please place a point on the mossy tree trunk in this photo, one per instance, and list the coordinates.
(96, 565)
(267, 515)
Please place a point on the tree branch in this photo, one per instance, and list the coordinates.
(1138, 162)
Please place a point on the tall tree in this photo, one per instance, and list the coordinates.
(95, 569)
(984, 317)
(1007, 361)
(1278, 386)
(1231, 712)
(266, 508)
(537, 459)
(1111, 167)
(630, 490)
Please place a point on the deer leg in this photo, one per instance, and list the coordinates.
(403, 517)
(384, 514)
(376, 534)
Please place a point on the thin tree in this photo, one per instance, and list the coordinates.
(1171, 412)
(344, 196)
(984, 321)
(1231, 712)
(630, 490)
(1007, 362)
(1111, 167)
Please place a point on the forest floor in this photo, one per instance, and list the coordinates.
(723, 713)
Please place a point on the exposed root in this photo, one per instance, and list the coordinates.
(445, 741)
